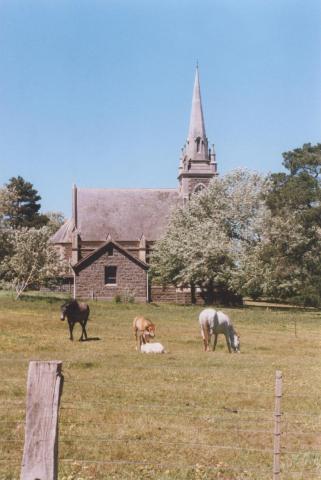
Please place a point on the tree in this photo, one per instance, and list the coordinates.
(7, 197)
(23, 210)
(33, 259)
(286, 264)
(55, 220)
(206, 238)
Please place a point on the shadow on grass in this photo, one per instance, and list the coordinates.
(90, 339)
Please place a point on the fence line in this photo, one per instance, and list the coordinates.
(85, 405)
(157, 406)
(226, 414)
(227, 391)
(156, 464)
(227, 430)
(192, 444)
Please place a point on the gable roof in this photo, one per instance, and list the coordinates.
(125, 214)
(83, 263)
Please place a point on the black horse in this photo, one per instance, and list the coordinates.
(75, 312)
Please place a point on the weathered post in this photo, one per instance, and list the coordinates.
(277, 425)
(44, 389)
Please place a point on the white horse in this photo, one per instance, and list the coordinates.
(213, 323)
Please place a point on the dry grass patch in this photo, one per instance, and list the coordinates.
(184, 415)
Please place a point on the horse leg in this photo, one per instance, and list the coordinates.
(205, 335)
(71, 327)
(83, 332)
(139, 340)
(136, 339)
(215, 341)
(228, 343)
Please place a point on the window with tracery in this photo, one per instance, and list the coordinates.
(199, 188)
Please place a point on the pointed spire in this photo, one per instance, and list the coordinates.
(197, 146)
(196, 125)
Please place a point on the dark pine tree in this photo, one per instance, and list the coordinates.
(24, 211)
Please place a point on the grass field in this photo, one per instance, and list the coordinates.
(183, 415)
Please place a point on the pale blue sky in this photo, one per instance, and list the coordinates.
(98, 92)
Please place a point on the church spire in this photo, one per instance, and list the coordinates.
(198, 162)
(196, 125)
(197, 144)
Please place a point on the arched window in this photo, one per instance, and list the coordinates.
(199, 187)
(198, 144)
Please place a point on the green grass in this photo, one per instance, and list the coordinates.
(179, 413)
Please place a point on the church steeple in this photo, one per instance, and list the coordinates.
(197, 145)
(197, 163)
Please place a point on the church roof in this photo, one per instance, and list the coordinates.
(124, 214)
(83, 263)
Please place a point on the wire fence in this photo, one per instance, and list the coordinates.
(244, 423)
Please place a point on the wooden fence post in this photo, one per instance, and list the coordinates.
(277, 425)
(44, 389)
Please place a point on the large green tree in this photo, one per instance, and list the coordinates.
(23, 210)
(286, 264)
(206, 238)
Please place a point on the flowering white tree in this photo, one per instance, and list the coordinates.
(33, 259)
(207, 238)
(7, 197)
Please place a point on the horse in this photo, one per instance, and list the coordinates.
(143, 329)
(214, 323)
(75, 312)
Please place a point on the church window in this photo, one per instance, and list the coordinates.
(110, 275)
(198, 143)
(199, 188)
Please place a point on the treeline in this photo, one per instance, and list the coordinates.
(250, 235)
(26, 256)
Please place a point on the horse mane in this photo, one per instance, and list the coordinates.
(70, 303)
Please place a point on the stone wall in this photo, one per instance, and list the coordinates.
(131, 278)
(170, 294)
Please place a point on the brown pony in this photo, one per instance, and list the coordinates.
(75, 312)
(144, 329)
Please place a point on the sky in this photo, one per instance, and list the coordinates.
(98, 92)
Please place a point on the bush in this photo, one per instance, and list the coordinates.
(117, 299)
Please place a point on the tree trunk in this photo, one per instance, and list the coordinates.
(193, 293)
(209, 299)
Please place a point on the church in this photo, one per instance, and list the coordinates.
(110, 236)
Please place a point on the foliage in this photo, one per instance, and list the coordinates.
(206, 238)
(55, 220)
(287, 263)
(32, 261)
(25, 257)
(7, 197)
(127, 296)
(23, 209)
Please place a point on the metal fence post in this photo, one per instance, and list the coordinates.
(277, 425)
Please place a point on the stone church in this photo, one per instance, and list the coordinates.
(110, 236)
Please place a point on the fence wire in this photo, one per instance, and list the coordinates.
(228, 416)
